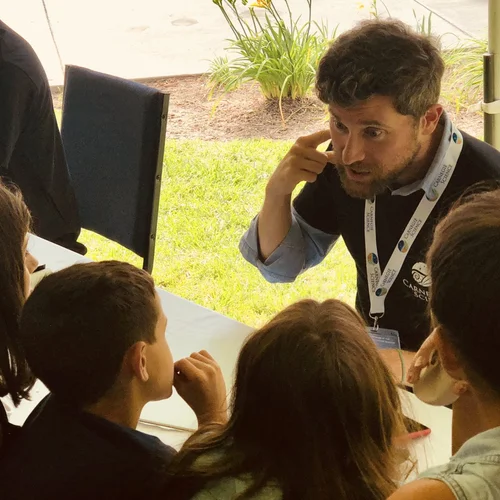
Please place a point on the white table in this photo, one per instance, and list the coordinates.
(192, 328)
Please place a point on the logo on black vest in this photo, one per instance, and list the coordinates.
(421, 281)
(420, 274)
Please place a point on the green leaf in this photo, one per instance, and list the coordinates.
(280, 56)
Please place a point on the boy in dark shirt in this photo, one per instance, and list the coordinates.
(31, 150)
(95, 336)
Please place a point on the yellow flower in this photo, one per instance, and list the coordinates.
(361, 6)
(262, 4)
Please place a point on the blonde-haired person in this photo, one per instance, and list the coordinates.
(314, 415)
(464, 267)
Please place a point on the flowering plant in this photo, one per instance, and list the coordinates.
(277, 52)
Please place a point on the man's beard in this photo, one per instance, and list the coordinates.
(379, 183)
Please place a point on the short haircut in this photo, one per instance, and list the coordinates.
(386, 58)
(78, 324)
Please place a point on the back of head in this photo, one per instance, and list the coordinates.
(465, 272)
(15, 377)
(314, 408)
(386, 58)
(78, 324)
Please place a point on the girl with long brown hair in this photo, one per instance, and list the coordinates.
(464, 265)
(16, 264)
(314, 416)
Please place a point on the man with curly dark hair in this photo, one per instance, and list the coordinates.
(395, 165)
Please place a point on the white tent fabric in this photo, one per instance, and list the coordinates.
(491, 104)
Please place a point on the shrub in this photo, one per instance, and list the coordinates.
(465, 72)
(281, 55)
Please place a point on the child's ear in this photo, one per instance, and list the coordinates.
(138, 361)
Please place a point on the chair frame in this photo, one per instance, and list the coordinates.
(150, 252)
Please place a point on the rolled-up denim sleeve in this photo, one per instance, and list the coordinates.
(303, 247)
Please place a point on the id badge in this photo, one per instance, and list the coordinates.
(385, 338)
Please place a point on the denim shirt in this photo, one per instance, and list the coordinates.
(473, 473)
(303, 247)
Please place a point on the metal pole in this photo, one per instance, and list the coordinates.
(491, 104)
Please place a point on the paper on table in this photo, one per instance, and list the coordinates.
(54, 256)
(436, 449)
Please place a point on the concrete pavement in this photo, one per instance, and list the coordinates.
(159, 38)
(471, 16)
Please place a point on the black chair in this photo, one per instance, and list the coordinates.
(113, 132)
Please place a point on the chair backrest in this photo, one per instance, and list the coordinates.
(113, 133)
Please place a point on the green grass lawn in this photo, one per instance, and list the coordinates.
(211, 191)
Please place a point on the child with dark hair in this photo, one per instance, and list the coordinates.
(465, 272)
(94, 334)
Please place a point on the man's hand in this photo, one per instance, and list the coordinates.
(199, 381)
(302, 163)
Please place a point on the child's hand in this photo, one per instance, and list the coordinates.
(422, 358)
(199, 381)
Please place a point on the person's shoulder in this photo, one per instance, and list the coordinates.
(222, 489)
(423, 489)
(19, 64)
(233, 487)
(95, 435)
(158, 448)
(143, 444)
(14, 76)
(482, 155)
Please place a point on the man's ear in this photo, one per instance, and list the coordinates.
(137, 361)
(450, 360)
(430, 120)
